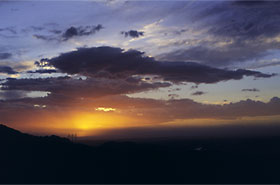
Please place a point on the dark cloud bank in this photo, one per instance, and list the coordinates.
(112, 62)
(73, 88)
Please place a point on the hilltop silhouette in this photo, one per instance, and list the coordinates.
(26, 158)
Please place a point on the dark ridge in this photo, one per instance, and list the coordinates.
(31, 159)
(5, 131)
(13, 136)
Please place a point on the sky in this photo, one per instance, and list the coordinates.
(98, 67)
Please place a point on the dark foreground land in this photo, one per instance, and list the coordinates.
(30, 159)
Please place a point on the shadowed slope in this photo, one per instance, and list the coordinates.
(30, 159)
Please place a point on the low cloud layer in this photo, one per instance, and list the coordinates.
(76, 88)
(145, 111)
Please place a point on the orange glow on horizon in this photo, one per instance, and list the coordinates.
(96, 123)
(85, 123)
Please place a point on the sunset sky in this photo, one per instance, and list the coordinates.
(95, 67)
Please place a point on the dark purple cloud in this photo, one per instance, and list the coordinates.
(251, 90)
(5, 56)
(194, 86)
(81, 31)
(172, 96)
(198, 93)
(156, 111)
(45, 37)
(8, 29)
(112, 62)
(76, 88)
(73, 31)
(7, 70)
(133, 33)
(7, 95)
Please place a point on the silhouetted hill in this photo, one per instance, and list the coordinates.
(9, 136)
(31, 159)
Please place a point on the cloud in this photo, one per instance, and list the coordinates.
(172, 96)
(176, 89)
(189, 109)
(230, 39)
(133, 33)
(58, 35)
(5, 56)
(37, 28)
(45, 37)
(8, 95)
(77, 88)
(7, 70)
(227, 33)
(146, 111)
(229, 54)
(247, 20)
(81, 31)
(194, 86)
(55, 31)
(43, 71)
(110, 62)
(265, 63)
(198, 93)
(9, 30)
(251, 90)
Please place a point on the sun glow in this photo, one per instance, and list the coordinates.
(102, 120)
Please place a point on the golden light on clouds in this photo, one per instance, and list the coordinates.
(105, 109)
